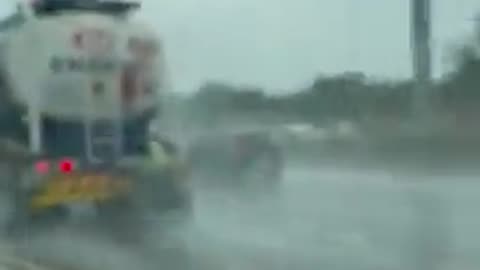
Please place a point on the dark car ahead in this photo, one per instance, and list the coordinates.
(238, 158)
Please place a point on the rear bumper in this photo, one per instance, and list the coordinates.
(56, 192)
(167, 189)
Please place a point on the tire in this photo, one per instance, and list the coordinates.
(121, 219)
(22, 223)
(157, 196)
(170, 196)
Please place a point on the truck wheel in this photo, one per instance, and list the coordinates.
(120, 218)
(116, 211)
(22, 223)
(17, 224)
(169, 199)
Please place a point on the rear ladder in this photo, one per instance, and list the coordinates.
(104, 140)
(103, 137)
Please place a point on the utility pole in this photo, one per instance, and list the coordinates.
(430, 237)
(421, 59)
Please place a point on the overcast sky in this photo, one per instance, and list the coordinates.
(282, 44)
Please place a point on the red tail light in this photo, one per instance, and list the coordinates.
(66, 165)
(42, 167)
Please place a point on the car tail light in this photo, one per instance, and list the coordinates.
(42, 167)
(66, 165)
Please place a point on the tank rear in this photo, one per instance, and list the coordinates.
(79, 64)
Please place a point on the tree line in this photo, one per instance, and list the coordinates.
(350, 96)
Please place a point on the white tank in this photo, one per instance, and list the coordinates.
(77, 63)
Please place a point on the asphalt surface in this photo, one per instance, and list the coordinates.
(321, 218)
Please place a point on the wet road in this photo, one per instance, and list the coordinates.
(337, 218)
(322, 218)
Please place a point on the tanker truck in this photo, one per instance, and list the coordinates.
(80, 84)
